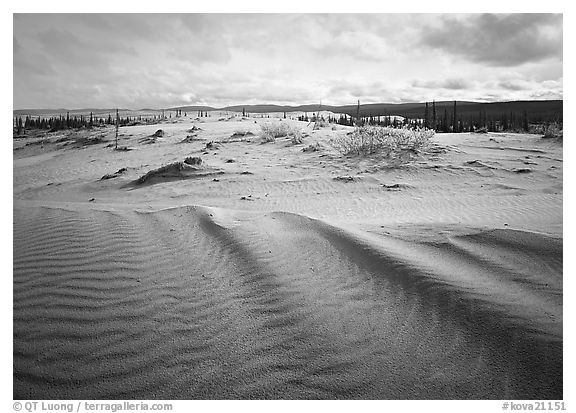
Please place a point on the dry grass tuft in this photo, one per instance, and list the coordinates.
(319, 124)
(368, 140)
(271, 131)
(553, 131)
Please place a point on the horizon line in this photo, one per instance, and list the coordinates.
(286, 105)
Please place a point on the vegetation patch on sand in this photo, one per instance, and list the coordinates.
(152, 138)
(313, 147)
(319, 124)
(82, 141)
(114, 175)
(173, 170)
(522, 170)
(189, 139)
(212, 146)
(345, 178)
(193, 160)
(553, 130)
(271, 131)
(395, 187)
(189, 168)
(241, 134)
(368, 140)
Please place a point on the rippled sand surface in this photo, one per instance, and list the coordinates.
(274, 280)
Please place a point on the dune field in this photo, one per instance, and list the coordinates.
(285, 271)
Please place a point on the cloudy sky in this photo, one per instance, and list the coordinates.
(162, 60)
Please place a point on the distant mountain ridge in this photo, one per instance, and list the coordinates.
(534, 108)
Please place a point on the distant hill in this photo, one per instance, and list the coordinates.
(534, 108)
(193, 108)
(38, 112)
(537, 110)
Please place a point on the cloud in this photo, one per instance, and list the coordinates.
(358, 45)
(29, 63)
(60, 42)
(162, 60)
(543, 94)
(62, 46)
(203, 39)
(499, 40)
(453, 84)
(16, 47)
(514, 85)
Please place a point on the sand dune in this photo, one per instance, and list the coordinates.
(438, 279)
(198, 302)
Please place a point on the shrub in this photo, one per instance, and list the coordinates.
(553, 130)
(367, 140)
(313, 147)
(319, 124)
(193, 160)
(173, 170)
(241, 133)
(297, 138)
(271, 131)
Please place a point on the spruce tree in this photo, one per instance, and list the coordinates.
(525, 121)
(117, 124)
(454, 120)
(434, 116)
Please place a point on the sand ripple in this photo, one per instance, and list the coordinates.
(197, 302)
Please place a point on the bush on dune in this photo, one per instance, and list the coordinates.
(553, 130)
(368, 140)
(241, 134)
(271, 131)
(297, 138)
(319, 124)
(176, 169)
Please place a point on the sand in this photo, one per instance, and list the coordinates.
(270, 272)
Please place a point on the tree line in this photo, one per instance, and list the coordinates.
(61, 122)
(452, 121)
(455, 119)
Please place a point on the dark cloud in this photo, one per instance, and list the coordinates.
(29, 63)
(359, 89)
(16, 48)
(60, 42)
(200, 53)
(500, 40)
(453, 84)
(69, 48)
(32, 64)
(204, 39)
(513, 85)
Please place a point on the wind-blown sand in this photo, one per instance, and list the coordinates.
(260, 275)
